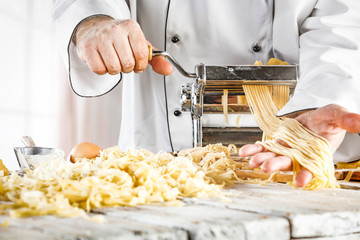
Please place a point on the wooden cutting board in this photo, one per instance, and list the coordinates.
(286, 176)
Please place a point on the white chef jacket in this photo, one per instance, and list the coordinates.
(322, 36)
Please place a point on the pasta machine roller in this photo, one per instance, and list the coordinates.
(203, 96)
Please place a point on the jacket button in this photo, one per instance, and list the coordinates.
(177, 113)
(256, 48)
(175, 39)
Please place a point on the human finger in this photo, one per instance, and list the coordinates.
(259, 158)
(110, 58)
(161, 66)
(279, 163)
(95, 61)
(351, 122)
(250, 150)
(140, 50)
(124, 52)
(303, 177)
(335, 116)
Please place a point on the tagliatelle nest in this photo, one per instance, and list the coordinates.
(116, 178)
(215, 160)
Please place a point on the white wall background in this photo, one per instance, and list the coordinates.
(35, 97)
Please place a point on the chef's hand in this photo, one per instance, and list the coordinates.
(330, 122)
(114, 46)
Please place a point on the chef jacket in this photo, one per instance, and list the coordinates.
(322, 36)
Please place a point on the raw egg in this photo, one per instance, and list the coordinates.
(84, 150)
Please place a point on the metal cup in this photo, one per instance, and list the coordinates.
(25, 155)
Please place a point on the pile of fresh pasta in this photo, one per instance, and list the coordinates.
(116, 178)
(130, 178)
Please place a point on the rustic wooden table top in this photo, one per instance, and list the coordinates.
(273, 211)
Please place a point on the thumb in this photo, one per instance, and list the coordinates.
(160, 65)
(351, 122)
(303, 177)
(344, 119)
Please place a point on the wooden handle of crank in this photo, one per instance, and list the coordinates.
(150, 53)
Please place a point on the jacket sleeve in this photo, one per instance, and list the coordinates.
(329, 58)
(329, 65)
(67, 15)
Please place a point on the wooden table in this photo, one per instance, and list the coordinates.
(273, 211)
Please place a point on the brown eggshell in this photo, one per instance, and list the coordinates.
(85, 150)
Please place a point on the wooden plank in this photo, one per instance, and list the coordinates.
(281, 177)
(355, 236)
(349, 185)
(355, 175)
(14, 233)
(78, 228)
(310, 213)
(287, 176)
(208, 222)
(254, 212)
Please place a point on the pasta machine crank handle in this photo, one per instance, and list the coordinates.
(154, 53)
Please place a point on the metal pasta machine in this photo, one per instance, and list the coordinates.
(214, 85)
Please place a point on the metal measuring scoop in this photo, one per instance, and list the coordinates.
(24, 155)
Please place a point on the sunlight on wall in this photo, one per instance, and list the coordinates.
(29, 87)
(35, 97)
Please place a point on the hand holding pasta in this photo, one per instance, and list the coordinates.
(330, 122)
